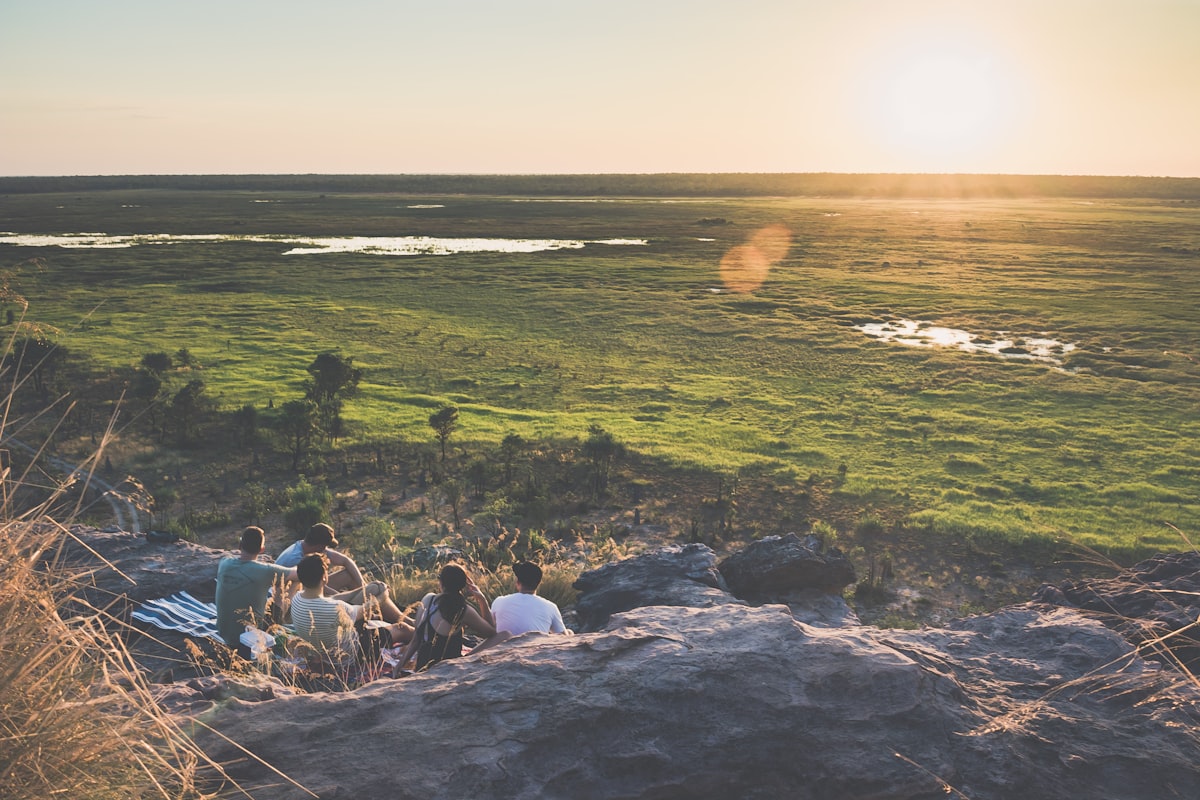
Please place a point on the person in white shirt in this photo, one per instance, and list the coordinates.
(524, 611)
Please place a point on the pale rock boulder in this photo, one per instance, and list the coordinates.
(730, 701)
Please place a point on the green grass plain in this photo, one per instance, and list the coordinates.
(1101, 452)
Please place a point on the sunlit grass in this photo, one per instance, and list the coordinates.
(546, 344)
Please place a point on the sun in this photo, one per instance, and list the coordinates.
(938, 103)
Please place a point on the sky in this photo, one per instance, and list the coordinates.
(1070, 87)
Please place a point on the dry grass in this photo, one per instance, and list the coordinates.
(77, 717)
(489, 561)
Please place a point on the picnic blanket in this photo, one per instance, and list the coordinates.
(181, 612)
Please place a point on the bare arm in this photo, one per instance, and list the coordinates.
(485, 611)
(414, 643)
(288, 573)
(345, 562)
(477, 624)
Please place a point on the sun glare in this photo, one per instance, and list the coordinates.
(938, 101)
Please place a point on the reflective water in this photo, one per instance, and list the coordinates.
(300, 245)
(919, 333)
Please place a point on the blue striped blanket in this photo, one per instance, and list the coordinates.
(181, 612)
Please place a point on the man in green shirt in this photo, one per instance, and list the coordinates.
(242, 585)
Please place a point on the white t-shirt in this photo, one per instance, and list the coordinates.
(324, 621)
(520, 613)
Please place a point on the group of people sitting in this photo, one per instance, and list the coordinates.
(332, 606)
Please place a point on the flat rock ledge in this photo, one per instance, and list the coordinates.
(692, 692)
(735, 701)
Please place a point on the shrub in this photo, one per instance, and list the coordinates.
(306, 505)
(869, 525)
(373, 540)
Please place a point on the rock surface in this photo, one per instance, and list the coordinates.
(730, 701)
(672, 576)
(697, 694)
(1154, 603)
(145, 570)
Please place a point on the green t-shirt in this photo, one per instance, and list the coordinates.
(242, 595)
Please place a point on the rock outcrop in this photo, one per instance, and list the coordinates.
(732, 701)
(117, 570)
(1155, 604)
(772, 568)
(672, 576)
(700, 694)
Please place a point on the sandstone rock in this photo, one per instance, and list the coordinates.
(118, 570)
(671, 576)
(720, 700)
(773, 568)
(203, 694)
(432, 556)
(1156, 601)
(737, 702)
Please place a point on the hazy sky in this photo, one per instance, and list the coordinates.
(1108, 87)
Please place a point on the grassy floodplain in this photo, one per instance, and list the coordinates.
(648, 342)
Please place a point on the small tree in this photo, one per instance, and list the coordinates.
(477, 474)
(245, 423)
(34, 358)
(601, 450)
(297, 423)
(510, 448)
(147, 386)
(453, 492)
(444, 421)
(187, 408)
(333, 379)
(158, 363)
(184, 357)
(256, 501)
(307, 504)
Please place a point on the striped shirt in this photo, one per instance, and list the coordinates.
(324, 621)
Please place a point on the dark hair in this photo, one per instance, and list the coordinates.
(252, 540)
(321, 536)
(312, 570)
(528, 573)
(452, 601)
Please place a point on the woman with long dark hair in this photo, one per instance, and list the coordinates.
(442, 619)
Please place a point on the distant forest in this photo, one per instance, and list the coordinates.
(822, 184)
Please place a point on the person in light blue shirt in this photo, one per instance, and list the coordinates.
(346, 584)
(320, 540)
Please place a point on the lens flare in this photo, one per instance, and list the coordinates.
(746, 267)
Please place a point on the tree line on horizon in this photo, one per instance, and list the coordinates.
(822, 184)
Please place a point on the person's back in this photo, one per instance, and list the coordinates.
(242, 586)
(524, 611)
(323, 622)
(521, 613)
(291, 554)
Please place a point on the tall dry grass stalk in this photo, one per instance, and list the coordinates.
(77, 717)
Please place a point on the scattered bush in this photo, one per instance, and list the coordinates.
(306, 505)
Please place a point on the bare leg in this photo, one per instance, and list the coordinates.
(388, 610)
(343, 581)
